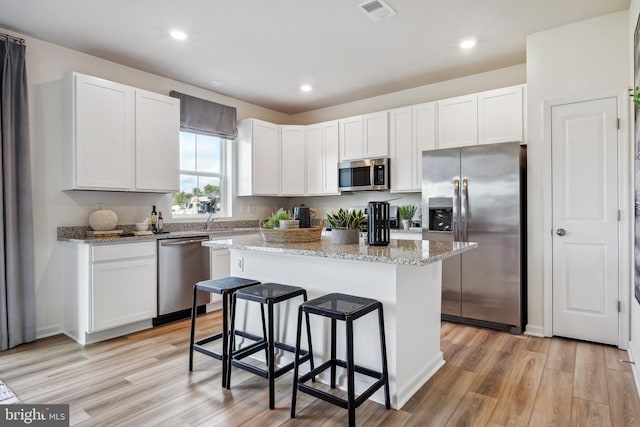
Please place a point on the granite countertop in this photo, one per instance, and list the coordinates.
(406, 252)
(230, 228)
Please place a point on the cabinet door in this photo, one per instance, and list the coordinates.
(292, 165)
(103, 134)
(500, 115)
(157, 142)
(458, 122)
(401, 149)
(376, 135)
(351, 138)
(122, 292)
(331, 143)
(315, 160)
(220, 267)
(424, 138)
(265, 158)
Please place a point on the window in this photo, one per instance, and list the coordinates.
(203, 176)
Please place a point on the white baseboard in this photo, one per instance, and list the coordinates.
(635, 369)
(533, 330)
(49, 331)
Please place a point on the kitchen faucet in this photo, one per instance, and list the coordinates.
(210, 221)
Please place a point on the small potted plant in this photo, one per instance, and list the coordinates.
(406, 213)
(274, 220)
(345, 226)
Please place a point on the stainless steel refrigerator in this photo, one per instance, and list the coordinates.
(478, 194)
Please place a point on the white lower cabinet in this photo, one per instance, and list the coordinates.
(220, 267)
(110, 290)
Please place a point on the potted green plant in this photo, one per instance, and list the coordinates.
(345, 226)
(406, 213)
(274, 220)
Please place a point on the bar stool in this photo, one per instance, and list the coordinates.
(225, 287)
(346, 308)
(267, 294)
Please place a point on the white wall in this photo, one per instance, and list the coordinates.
(47, 64)
(634, 345)
(575, 62)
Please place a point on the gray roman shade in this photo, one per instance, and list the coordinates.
(206, 117)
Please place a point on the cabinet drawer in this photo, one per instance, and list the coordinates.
(125, 250)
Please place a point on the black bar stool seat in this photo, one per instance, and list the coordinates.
(345, 308)
(267, 294)
(226, 287)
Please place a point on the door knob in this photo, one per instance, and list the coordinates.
(561, 232)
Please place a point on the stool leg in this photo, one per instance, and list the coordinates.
(271, 357)
(225, 337)
(232, 339)
(333, 353)
(351, 404)
(264, 334)
(296, 360)
(310, 347)
(383, 352)
(193, 328)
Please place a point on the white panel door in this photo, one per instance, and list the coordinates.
(585, 220)
(157, 142)
(292, 172)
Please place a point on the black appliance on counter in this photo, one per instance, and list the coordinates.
(378, 224)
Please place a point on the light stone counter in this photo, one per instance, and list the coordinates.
(408, 252)
(405, 276)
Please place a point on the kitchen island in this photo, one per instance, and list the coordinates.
(405, 276)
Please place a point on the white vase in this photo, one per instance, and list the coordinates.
(406, 224)
(348, 236)
(103, 220)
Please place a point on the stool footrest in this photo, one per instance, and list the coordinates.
(207, 340)
(328, 397)
(206, 351)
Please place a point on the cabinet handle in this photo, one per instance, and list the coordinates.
(183, 242)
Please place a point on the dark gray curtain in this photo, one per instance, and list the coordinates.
(17, 284)
(210, 118)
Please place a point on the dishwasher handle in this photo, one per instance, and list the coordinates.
(183, 242)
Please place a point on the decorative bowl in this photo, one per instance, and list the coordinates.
(103, 220)
(142, 226)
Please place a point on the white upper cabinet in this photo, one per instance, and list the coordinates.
(293, 161)
(101, 135)
(411, 131)
(376, 134)
(401, 149)
(351, 138)
(363, 137)
(424, 138)
(458, 121)
(500, 115)
(258, 158)
(322, 142)
(119, 138)
(157, 153)
(481, 118)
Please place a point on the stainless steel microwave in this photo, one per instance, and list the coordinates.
(369, 174)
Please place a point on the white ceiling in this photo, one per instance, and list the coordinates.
(262, 51)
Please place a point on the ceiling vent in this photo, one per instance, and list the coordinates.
(377, 10)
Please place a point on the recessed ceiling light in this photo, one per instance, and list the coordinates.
(306, 88)
(178, 35)
(467, 44)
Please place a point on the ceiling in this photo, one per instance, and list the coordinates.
(262, 51)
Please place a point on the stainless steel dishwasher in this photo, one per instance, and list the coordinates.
(181, 263)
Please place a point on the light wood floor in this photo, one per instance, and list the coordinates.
(490, 379)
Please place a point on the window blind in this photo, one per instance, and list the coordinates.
(206, 117)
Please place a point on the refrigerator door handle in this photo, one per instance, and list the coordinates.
(465, 210)
(456, 206)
